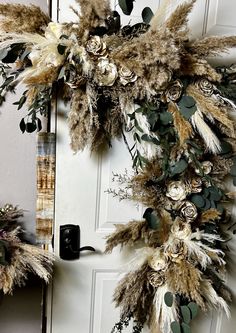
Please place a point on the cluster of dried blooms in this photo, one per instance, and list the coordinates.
(152, 81)
(18, 258)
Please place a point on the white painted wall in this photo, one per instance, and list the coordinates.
(19, 313)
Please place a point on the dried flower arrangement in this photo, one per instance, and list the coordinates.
(17, 257)
(152, 81)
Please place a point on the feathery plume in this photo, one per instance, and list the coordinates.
(20, 18)
(212, 46)
(210, 139)
(179, 19)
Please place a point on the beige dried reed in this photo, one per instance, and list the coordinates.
(20, 18)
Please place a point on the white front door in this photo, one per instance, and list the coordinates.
(82, 290)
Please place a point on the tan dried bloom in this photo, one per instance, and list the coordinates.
(96, 46)
(126, 76)
(174, 91)
(206, 86)
(176, 190)
(106, 73)
(189, 211)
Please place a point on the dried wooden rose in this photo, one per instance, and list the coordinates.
(174, 91)
(96, 46)
(127, 76)
(156, 279)
(106, 72)
(206, 167)
(157, 261)
(189, 211)
(206, 87)
(176, 190)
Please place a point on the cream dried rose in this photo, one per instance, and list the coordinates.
(176, 251)
(96, 46)
(206, 87)
(189, 211)
(127, 76)
(181, 230)
(157, 261)
(176, 190)
(206, 167)
(174, 91)
(106, 72)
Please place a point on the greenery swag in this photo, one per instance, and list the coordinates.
(152, 81)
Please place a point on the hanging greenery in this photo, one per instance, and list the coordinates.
(17, 257)
(152, 81)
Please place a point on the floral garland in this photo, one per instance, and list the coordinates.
(151, 81)
(17, 257)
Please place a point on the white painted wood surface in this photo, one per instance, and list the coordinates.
(82, 290)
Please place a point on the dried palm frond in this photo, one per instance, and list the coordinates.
(20, 18)
(135, 295)
(128, 234)
(211, 106)
(182, 126)
(185, 279)
(80, 121)
(212, 46)
(24, 259)
(192, 65)
(179, 19)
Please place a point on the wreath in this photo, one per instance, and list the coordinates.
(154, 87)
(18, 257)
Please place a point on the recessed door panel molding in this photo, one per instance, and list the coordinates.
(109, 210)
(221, 17)
(102, 313)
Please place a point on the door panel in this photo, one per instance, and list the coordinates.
(82, 290)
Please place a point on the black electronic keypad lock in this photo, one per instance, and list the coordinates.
(70, 242)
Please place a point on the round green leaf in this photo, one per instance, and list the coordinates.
(198, 200)
(215, 194)
(194, 309)
(207, 204)
(147, 15)
(169, 299)
(166, 118)
(175, 327)
(185, 328)
(22, 125)
(152, 219)
(186, 314)
(188, 101)
(226, 148)
(126, 6)
(179, 167)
